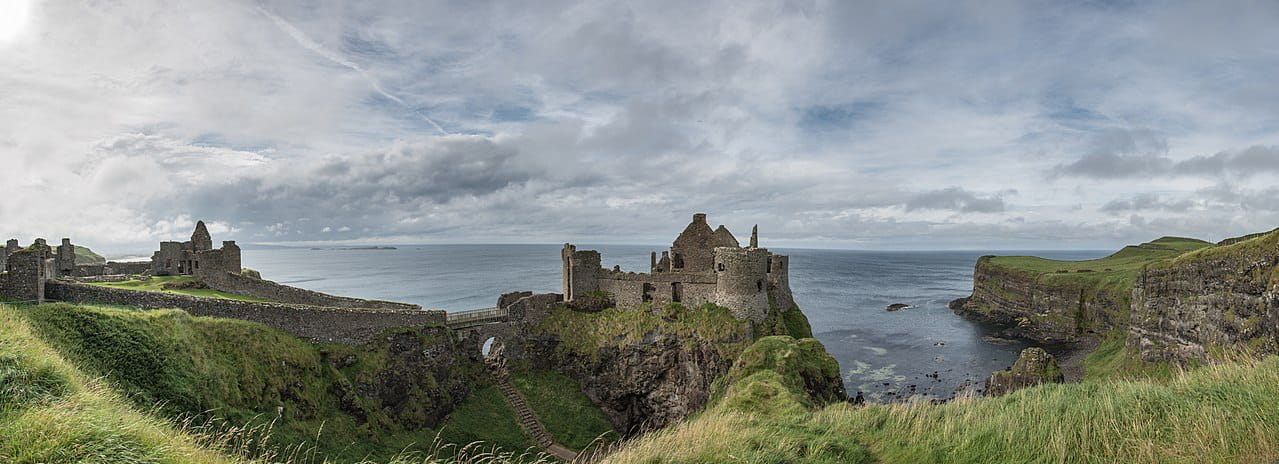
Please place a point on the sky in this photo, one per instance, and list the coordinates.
(842, 124)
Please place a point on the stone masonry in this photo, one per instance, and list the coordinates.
(704, 265)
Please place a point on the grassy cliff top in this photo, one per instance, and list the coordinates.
(1127, 260)
(157, 283)
(1252, 245)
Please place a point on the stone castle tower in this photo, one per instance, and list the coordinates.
(703, 265)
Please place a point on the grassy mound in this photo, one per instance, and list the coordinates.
(83, 255)
(172, 284)
(1222, 413)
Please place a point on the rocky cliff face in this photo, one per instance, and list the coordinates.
(650, 384)
(1043, 307)
(1220, 299)
(649, 368)
(423, 375)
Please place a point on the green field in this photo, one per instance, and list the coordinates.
(1127, 261)
(156, 284)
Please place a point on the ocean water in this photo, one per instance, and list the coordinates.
(922, 350)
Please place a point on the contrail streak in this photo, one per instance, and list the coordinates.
(306, 42)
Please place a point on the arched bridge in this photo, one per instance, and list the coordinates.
(474, 317)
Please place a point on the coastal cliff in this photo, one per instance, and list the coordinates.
(1202, 305)
(652, 367)
(1053, 301)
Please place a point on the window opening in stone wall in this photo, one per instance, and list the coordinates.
(759, 285)
(677, 291)
(721, 267)
(769, 267)
(648, 292)
(678, 261)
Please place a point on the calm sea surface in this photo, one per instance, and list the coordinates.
(844, 293)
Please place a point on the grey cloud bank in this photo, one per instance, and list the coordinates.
(840, 124)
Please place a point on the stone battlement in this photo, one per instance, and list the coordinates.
(703, 265)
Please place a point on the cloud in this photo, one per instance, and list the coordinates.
(1119, 154)
(1144, 202)
(1251, 161)
(828, 123)
(955, 199)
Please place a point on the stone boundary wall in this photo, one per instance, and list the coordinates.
(318, 324)
(112, 268)
(272, 291)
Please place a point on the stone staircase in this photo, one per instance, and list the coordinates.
(527, 419)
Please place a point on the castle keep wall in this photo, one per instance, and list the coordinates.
(629, 291)
(316, 323)
(742, 281)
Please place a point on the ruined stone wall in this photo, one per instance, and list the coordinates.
(9, 248)
(65, 259)
(627, 289)
(271, 291)
(741, 281)
(779, 281)
(1224, 299)
(112, 268)
(316, 323)
(25, 279)
(168, 259)
(694, 249)
(580, 269)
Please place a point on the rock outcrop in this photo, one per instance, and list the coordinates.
(424, 375)
(1218, 300)
(1035, 366)
(651, 384)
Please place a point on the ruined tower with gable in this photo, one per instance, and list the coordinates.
(195, 256)
(703, 265)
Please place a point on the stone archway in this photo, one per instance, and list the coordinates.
(486, 346)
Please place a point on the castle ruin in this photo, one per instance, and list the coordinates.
(196, 256)
(703, 265)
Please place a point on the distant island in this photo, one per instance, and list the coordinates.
(357, 248)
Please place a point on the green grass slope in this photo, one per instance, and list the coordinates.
(83, 255)
(1218, 414)
(50, 412)
(157, 283)
(238, 373)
